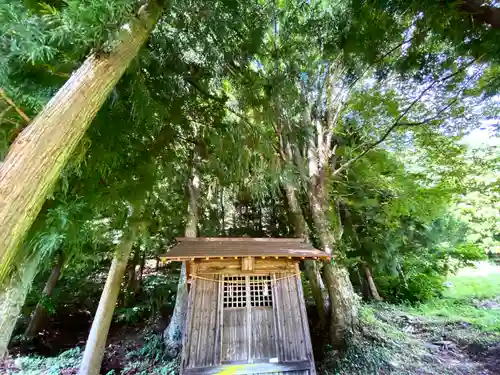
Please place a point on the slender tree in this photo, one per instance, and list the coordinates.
(39, 315)
(41, 151)
(96, 342)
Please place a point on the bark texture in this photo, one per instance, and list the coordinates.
(39, 315)
(318, 290)
(94, 349)
(173, 333)
(311, 268)
(133, 277)
(39, 153)
(12, 300)
(344, 303)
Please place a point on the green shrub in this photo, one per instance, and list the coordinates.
(153, 348)
(416, 287)
(421, 274)
(157, 293)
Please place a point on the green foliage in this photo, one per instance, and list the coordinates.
(225, 87)
(422, 265)
(468, 300)
(418, 285)
(478, 206)
(68, 360)
(152, 350)
(157, 294)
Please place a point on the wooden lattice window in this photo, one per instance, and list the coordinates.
(243, 291)
(235, 291)
(260, 291)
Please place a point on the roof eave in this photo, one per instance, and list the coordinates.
(239, 239)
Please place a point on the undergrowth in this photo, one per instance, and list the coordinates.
(381, 348)
(399, 339)
(64, 363)
(147, 359)
(150, 359)
(473, 299)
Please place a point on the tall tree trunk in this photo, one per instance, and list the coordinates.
(12, 297)
(39, 315)
(40, 152)
(371, 283)
(94, 349)
(311, 269)
(344, 302)
(173, 333)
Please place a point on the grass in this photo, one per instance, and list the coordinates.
(394, 337)
(462, 302)
(479, 286)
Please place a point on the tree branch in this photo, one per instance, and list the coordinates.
(397, 122)
(399, 45)
(13, 105)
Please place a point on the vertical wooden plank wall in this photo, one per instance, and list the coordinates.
(201, 339)
(294, 340)
(215, 334)
(234, 336)
(288, 318)
(263, 334)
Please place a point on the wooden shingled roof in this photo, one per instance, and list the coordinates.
(229, 247)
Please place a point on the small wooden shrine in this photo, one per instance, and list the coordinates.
(246, 311)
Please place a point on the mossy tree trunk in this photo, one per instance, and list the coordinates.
(39, 316)
(174, 331)
(94, 349)
(311, 268)
(344, 302)
(41, 151)
(12, 298)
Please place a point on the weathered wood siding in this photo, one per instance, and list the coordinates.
(263, 339)
(294, 341)
(261, 329)
(200, 341)
(233, 266)
(234, 335)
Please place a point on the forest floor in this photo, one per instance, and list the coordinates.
(458, 334)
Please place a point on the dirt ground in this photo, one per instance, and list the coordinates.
(454, 348)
